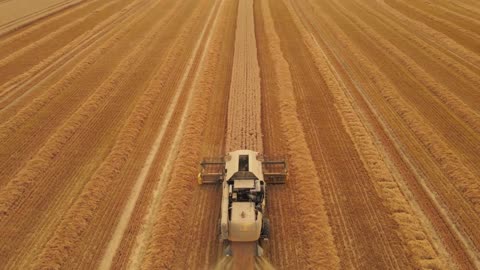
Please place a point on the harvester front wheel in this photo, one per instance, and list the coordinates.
(266, 228)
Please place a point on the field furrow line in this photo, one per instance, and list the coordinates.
(126, 214)
(449, 28)
(433, 34)
(108, 106)
(462, 178)
(450, 21)
(463, 139)
(169, 224)
(52, 35)
(466, 78)
(22, 116)
(361, 65)
(20, 61)
(452, 13)
(206, 255)
(40, 162)
(29, 18)
(412, 232)
(442, 55)
(339, 164)
(464, 7)
(470, 118)
(374, 119)
(48, 67)
(450, 219)
(76, 220)
(18, 38)
(449, 110)
(463, 111)
(57, 188)
(34, 132)
(320, 249)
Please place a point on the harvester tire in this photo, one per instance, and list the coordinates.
(266, 228)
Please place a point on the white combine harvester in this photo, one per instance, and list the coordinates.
(244, 175)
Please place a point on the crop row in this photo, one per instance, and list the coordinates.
(411, 230)
(462, 178)
(170, 221)
(320, 250)
(74, 223)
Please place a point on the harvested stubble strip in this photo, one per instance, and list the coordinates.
(170, 221)
(320, 250)
(11, 195)
(78, 217)
(462, 179)
(17, 36)
(411, 231)
(68, 48)
(435, 36)
(135, 254)
(441, 57)
(25, 114)
(464, 112)
(441, 22)
(49, 37)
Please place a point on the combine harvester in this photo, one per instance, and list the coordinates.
(244, 175)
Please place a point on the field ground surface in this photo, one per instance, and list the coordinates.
(107, 108)
(17, 13)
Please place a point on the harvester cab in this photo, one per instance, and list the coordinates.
(244, 175)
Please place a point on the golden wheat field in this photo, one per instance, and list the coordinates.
(108, 106)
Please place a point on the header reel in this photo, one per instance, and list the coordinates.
(213, 170)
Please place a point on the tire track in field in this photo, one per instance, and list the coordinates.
(22, 37)
(201, 244)
(373, 121)
(61, 184)
(22, 59)
(31, 80)
(357, 211)
(29, 18)
(461, 35)
(105, 216)
(462, 8)
(472, 23)
(128, 210)
(319, 249)
(285, 248)
(360, 59)
(161, 249)
(462, 231)
(450, 162)
(430, 33)
(433, 54)
(75, 222)
(25, 114)
(70, 88)
(440, 115)
(23, 181)
(463, 111)
(412, 232)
